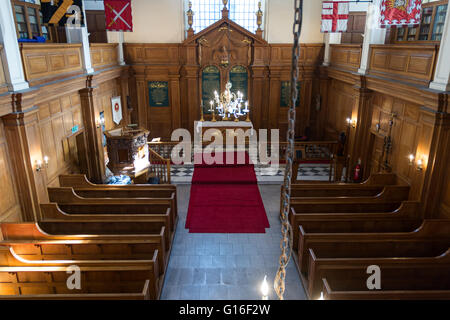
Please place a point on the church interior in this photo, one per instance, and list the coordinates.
(115, 183)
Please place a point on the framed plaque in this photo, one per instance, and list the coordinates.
(210, 83)
(239, 80)
(158, 93)
(285, 94)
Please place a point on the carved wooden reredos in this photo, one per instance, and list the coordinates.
(224, 45)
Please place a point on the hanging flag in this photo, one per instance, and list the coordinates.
(118, 15)
(116, 109)
(334, 16)
(401, 13)
(63, 12)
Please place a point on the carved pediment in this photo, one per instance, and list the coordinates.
(225, 43)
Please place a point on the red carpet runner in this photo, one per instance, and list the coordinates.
(226, 199)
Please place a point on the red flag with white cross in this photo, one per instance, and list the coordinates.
(334, 16)
(118, 15)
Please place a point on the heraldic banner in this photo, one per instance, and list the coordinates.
(118, 15)
(334, 16)
(401, 13)
(63, 12)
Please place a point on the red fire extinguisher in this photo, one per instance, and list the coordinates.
(357, 175)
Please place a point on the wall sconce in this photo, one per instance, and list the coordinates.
(378, 127)
(46, 159)
(420, 164)
(38, 165)
(411, 159)
(351, 122)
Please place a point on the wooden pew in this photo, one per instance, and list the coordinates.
(408, 211)
(88, 250)
(70, 202)
(398, 281)
(81, 184)
(131, 291)
(367, 194)
(382, 233)
(31, 239)
(323, 263)
(8, 258)
(52, 280)
(55, 221)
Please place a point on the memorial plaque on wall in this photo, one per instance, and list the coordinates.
(239, 80)
(158, 93)
(285, 95)
(210, 83)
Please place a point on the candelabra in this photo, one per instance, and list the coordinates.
(229, 104)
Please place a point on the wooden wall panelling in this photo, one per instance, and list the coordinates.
(96, 26)
(346, 56)
(3, 84)
(355, 29)
(23, 138)
(10, 210)
(104, 55)
(57, 118)
(410, 63)
(48, 62)
(436, 197)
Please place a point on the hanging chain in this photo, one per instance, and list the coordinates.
(286, 228)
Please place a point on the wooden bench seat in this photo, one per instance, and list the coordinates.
(69, 202)
(426, 231)
(333, 190)
(408, 211)
(55, 221)
(50, 280)
(338, 291)
(89, 250)
(418, 277)
(140, 243)
(128, 291)
(9, 258)
(323, 263)
(384, 194)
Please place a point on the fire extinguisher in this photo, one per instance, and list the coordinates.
(357, 175)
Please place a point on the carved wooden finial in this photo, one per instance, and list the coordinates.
(259, 16)
(225, 9)
(190, 15)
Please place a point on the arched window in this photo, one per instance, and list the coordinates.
(243, 12)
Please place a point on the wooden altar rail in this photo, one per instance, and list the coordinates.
(159, 166)
(346, 56)
(45, 62)
(104, 55)
(304, 151)
(410, 63)
(3, 86)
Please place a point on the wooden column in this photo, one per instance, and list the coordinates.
(362, 112)
(438, 164)
(258, 101)
(23, 138)
(191, 112)
(175, 100)
(95, 157)
(321, 116)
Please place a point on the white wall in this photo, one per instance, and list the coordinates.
(157, 21)
(280, 19)
(163, 21)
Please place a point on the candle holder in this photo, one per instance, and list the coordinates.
(213, 116)
(248, 117)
